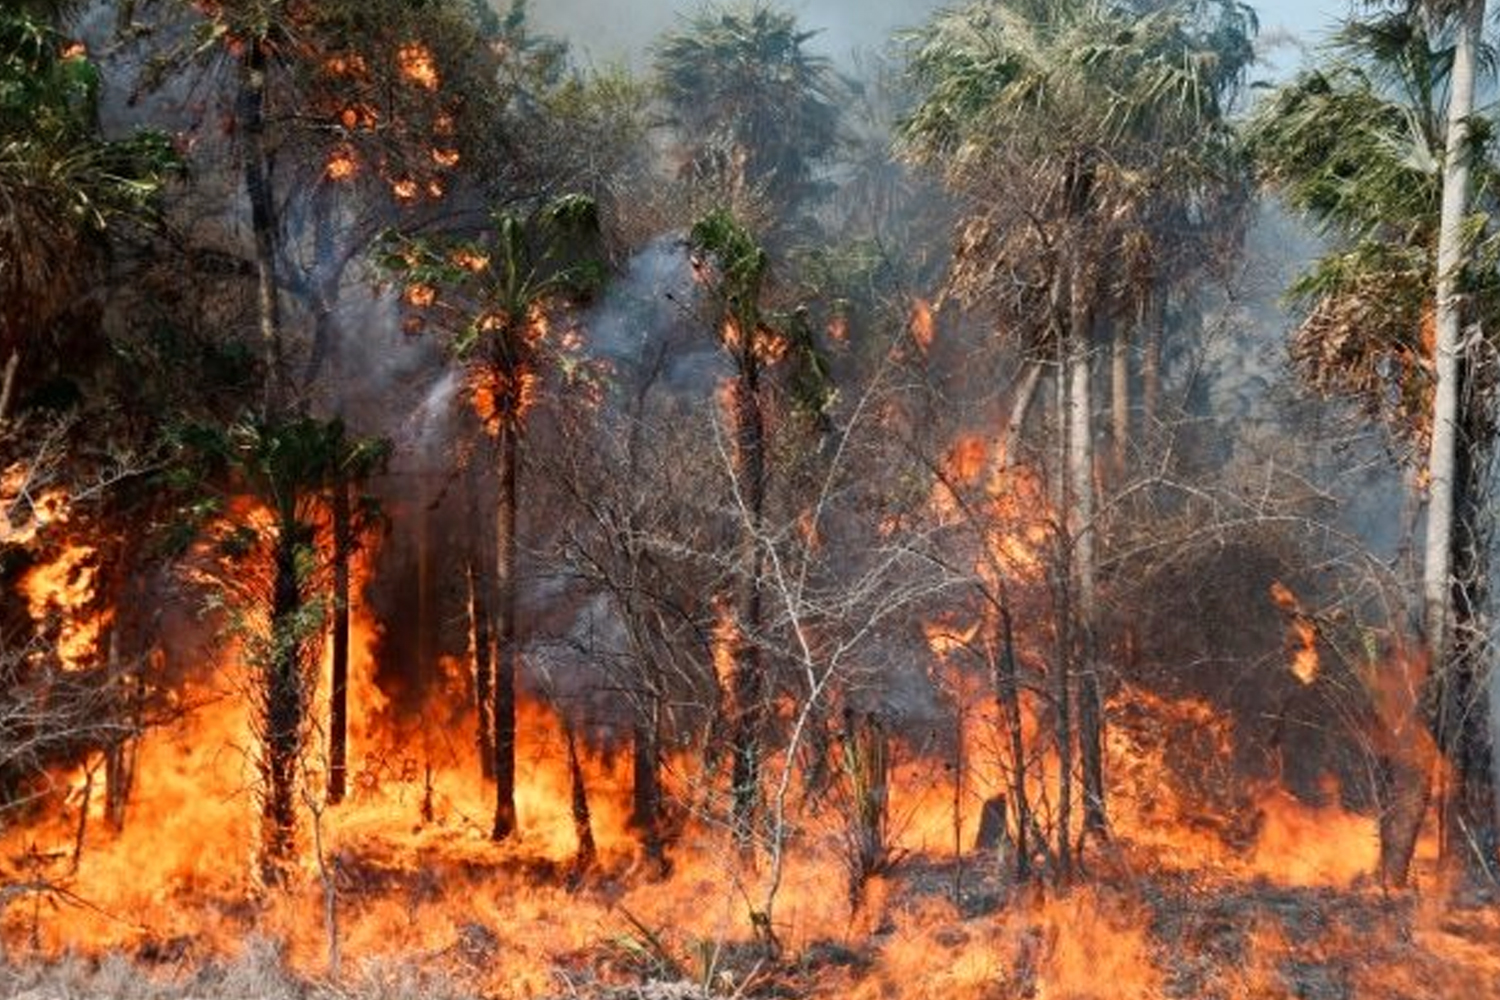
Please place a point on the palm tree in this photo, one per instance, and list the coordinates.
(754, 110)
(492, 295)
(1060, 120)
(740, 267)
(1380, 150)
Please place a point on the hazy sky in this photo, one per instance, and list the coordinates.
(607, 30)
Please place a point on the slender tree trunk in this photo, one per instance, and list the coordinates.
(1437, 576)
(284, 706)
(1119, 399)
(645, 798)
(258, 187)
(507, 652)
(1081, 527)
(1008, 690)
(1020, 406)
(8, 383)
(482, 651)
(1062, 601)
(749, 693)
(338, 696)
(583, 830)
(1156, 325)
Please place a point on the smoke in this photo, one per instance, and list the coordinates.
(843, 26)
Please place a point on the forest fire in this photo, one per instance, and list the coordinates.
(838, 533)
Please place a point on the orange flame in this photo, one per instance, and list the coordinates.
(1302, 633)
(65, 589)
(922, 324)
(416, 65)
(341, 165)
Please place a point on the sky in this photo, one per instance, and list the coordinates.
(610, 30)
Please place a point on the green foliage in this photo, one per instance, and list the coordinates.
(62, 186)
(741, 262)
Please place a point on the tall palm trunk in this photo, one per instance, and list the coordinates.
(1008, 691)
(481, 588)
(284, 702)
(251, 114)
(1156, 324)
(1438, 555)
(507, 653)
(1062, 603)
(749, 689)
(338, 697)
(1437, 576)
(1081, 526)
(1119, 398)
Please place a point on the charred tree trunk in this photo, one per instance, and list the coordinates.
(338, 694)
(645, 793)
(749, 688)
(482, 649)
(283, 703)
(258, 188)
(583, 830)
(1156, 327)
(867, 763)
(8, 382)
(1119, 398)
(1008, 692)
(507, 652)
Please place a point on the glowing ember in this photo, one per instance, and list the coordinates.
(351, 64)
(447, 158)
(1302, 633)
(359, 116)
(405, 189)
(341, 165)
(922, 325)
(417, 67)
(838, 328)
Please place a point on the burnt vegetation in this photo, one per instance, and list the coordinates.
(754, 521)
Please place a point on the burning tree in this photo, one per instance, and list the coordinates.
(272, 574)
(492, 295)
(1077, 106)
